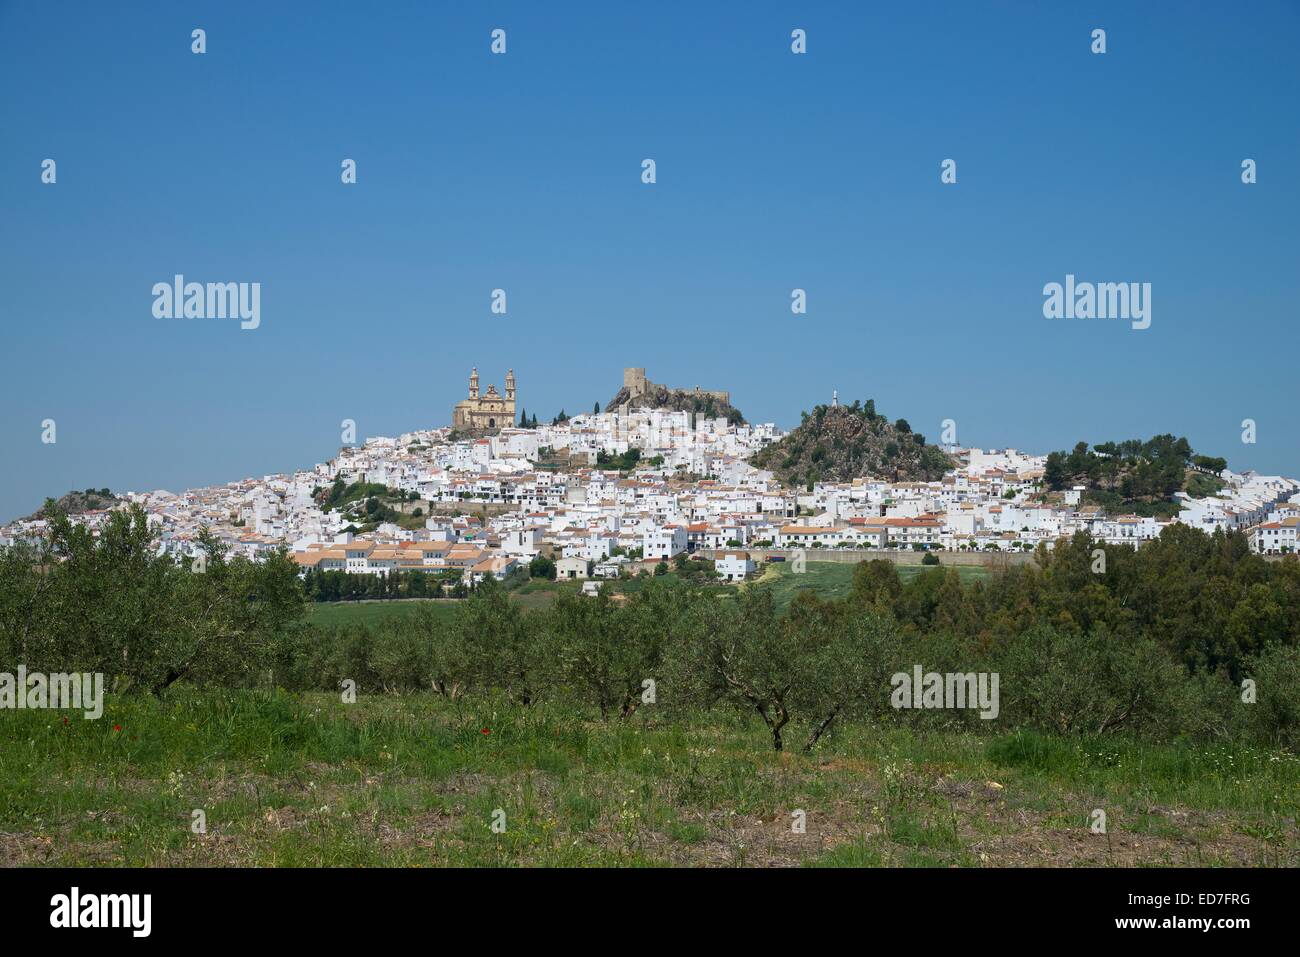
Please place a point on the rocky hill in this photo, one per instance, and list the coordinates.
(75, 503)
(679, 400)
(840, 443)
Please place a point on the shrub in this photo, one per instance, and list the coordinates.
(1274, 718)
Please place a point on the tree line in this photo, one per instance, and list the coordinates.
(1191, 636)
(338, 585)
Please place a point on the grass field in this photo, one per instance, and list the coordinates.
(834, 580)
(418, 780)
(829, 580)
(539, 593)
(535, 594)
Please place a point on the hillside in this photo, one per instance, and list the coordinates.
(76, 503)
(1135, 476)
(369, 504)
(679, 400)
(837, 444)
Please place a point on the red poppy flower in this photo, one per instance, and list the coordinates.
(117, 727)
(485, 730)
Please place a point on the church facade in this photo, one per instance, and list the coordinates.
(490, 410)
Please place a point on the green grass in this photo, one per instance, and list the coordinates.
(834, 580)
(530, 596)
(537, 593)
(828, 580)
(288, 780)
(967, 573)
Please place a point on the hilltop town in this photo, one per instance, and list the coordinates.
(606, 493)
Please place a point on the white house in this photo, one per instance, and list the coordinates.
(498, 568)
(1274, 538)
(734, 566)
(666, 542)
(358, 554)
(523, 542)
(570, 568)
(809, 536)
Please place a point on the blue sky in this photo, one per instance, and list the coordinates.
(522, 172)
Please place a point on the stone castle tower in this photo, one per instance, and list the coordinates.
(637, 385)
(490, 410)
(635, 382)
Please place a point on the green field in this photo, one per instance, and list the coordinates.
(284, 780)
(688, 723)
(535, 594)
(967, 573)
(539, 593)
(834, 580)
(828, 580)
